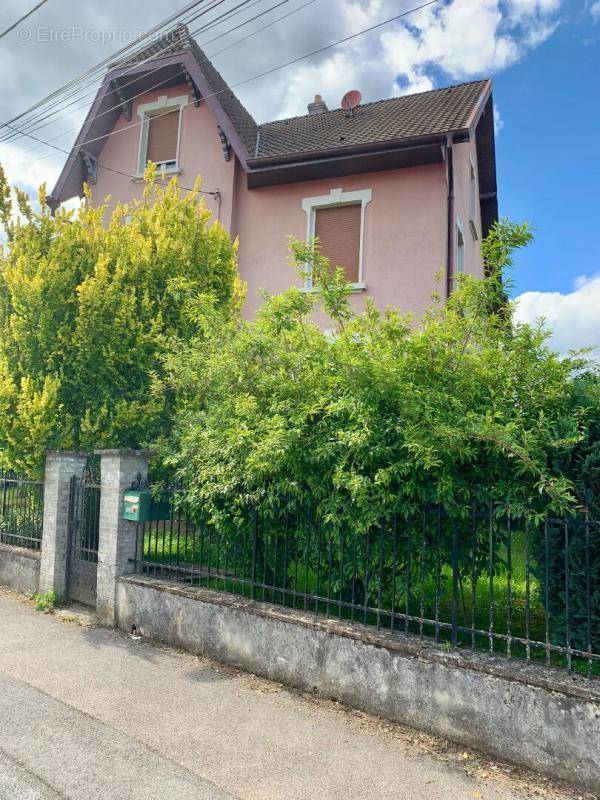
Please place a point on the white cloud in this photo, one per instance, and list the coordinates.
(595, 11)
(573, 317)
(498, 121)
(452, 41)
(29, 171)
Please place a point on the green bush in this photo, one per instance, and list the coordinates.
(89, 304)
(46, 602)
(386, 415)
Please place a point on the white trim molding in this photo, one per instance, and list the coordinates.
(337, 197)
(145, 112)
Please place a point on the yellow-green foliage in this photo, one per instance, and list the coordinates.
(89, 302)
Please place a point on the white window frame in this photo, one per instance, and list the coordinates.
(145, 112)
(337, 198)
(461, 230)
(473, 195)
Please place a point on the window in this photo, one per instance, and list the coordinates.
(473, 193)
(163, 136)
(338, 219)
(338, 229)
(160, 133)
(460, 248)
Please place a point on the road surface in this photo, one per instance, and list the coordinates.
(89, 714)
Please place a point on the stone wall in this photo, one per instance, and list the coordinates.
(538, 717)
(19, 569)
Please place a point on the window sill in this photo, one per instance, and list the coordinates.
(169, 171)
(356, 287)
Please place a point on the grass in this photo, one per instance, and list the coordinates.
(309, 588)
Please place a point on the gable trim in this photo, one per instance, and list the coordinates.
(193, 70)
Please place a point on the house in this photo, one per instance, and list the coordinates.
(396, 190)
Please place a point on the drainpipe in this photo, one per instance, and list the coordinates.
(450, 203)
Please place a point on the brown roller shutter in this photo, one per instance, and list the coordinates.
(162, 137)
(338, 230)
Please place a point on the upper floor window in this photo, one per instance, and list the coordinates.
(338, 220)
(160, 133)
(473, 195)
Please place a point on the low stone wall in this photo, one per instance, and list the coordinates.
(19, 569)
(540, 718)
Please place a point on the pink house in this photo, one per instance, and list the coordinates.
(397, 190)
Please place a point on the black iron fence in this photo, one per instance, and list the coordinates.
(482, 579)
(21, 511)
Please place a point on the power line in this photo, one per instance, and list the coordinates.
(23, 18)
(30, 123)
(252, 78)
(113, 169)
(106, 61)
(161, 83)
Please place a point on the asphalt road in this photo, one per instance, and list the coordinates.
(88, 714)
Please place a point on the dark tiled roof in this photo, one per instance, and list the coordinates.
(437, 111)
(434, 112)
(179, 41)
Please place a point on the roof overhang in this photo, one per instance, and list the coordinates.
(311, 166)
(373, 157)
(119, 87)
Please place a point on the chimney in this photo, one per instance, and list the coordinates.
(318, 106)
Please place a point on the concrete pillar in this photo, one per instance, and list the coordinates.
(119, 469)
(61, 466)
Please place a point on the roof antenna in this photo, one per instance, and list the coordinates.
(350, 101)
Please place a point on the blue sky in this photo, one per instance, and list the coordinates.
(549, 153)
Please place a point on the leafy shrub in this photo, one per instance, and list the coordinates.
(87, 310)
(46, 602)
(384, 416)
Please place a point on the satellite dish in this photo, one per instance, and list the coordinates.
(351, 99)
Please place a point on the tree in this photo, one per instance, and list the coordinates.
(89, 307)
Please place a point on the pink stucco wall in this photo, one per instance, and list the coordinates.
(404, 234)
(200, 153)
(405, 224)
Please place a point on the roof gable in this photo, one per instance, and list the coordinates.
(176, 58)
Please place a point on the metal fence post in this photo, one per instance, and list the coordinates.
(454, 583)
(4, 483)
(254, 553)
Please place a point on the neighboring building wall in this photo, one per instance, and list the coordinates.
(404, 235)
(200, 153)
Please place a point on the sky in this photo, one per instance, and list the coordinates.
(543, 55)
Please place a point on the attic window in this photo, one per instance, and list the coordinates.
(338, 220)
(163, 137)
(160, 134)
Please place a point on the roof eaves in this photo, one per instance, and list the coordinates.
(459, 134)
(212, 100)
